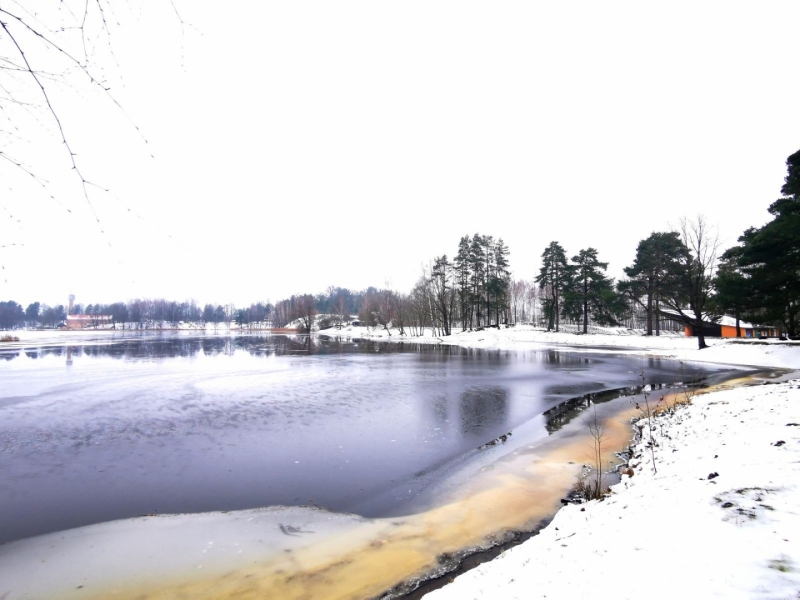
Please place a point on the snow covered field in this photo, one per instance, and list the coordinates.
(718, 516)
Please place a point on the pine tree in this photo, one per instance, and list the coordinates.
(791, 186)
(650, 272)
(733, 289)
(461, 264)
(770, 256)
(592, 291)
(440, 285)
(554, 278)
(499, 280)
(477, 277)
(487, 245)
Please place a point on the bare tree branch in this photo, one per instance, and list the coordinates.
(35, 77)
(83, 68)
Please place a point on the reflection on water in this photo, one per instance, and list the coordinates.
(154, 346)
(170, 423)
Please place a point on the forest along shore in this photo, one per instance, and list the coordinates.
(709, 508)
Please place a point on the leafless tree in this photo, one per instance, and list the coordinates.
(524, 301)
(517, 298)
(596, 429)
(418, 307)
(340, 306)
(648, 413)
(688, 292)
(441, 297)
(306, 309)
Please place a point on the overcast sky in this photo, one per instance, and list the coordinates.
(298, 145)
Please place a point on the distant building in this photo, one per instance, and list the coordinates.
(84, 321)
(87, 321)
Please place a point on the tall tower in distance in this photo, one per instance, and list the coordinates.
(71, 303)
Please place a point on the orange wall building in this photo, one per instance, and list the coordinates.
(726, 328)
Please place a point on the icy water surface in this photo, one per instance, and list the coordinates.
(138, 425)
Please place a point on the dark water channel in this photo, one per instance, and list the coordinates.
(120, 427)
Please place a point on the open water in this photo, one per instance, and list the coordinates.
(128, 425)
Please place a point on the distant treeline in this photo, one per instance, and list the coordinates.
(143, 311)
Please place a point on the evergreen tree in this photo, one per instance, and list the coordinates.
(592, 292)
(478, 276)
(11, 315)
(555, 279)
(650, 272)
(770, 257)
(461, 266)
(791, 186)
(498, 283)
(440, 286)
(32, 313)
(487, 256)
(733, 289)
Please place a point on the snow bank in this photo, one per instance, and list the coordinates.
(720, 518)
(757, 353)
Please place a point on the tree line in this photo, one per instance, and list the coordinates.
(682, 276)
(141, 312)
(677, 277)
(133, 313)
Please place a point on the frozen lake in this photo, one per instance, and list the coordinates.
(129, 425)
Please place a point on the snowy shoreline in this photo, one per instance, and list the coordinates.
(742, 352)
(720, 515)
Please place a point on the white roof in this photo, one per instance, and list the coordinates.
(731, 322)
(726, 320)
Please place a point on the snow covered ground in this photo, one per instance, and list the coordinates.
(772, 353)
(718, 516)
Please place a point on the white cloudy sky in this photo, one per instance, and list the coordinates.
(299, 145)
